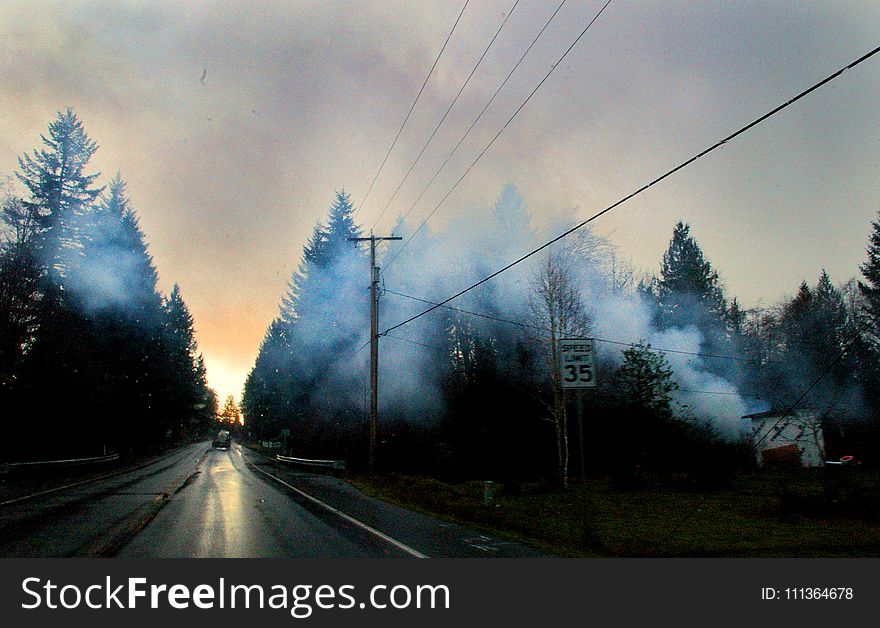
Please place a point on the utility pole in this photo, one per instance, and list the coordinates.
(374, 342)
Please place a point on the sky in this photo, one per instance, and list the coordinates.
(234, 123)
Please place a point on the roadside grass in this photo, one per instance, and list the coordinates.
(799, 513)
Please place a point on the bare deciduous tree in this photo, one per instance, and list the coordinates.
(558, 309)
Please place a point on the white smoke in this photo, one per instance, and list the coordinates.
(479, 241)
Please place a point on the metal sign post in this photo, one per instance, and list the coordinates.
(577, 370)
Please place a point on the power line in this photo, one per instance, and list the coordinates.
(694, 353)
(816, 381)
(421, 344)
(448, 109)
(409, 113)
(540, 328)
(717, 392)
(684, 390)
(500, 131)
(485, 107)
(361, 348)
(463, 311)
(643, 188)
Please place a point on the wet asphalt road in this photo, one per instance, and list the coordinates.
(96, 518)
(226, 510)
(204, 502)
(198, 502)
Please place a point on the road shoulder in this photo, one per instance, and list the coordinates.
(430, 536)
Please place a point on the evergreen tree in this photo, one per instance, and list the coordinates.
(114, 284)
(318, 295)
(323, 313)
(191, 404)
(60, 190)
(830, 315)
(329, 259)
(796, 317)
(230, 416)
(815, 339)
(815, 322)
(115, 270)
(866, 322)
(688, 290)
(292, 303)
(340, 227)
(870, 288)
(86, 328)
(643, 384)
(645, 381)
(266, 400)
(179, 331)
(59, 365)
(736, 319)
(20, 274)
(512, 227)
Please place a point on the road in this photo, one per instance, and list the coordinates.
(226, 510)
(205, 502)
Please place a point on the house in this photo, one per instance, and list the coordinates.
(787, 439)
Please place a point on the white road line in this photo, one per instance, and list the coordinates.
(100, 477)
(350, 519)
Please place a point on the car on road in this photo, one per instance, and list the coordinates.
(223, 439)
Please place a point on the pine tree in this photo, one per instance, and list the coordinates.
(327, 256)
(292, 303)
(322, 315)
(59, 367)
(19, 288)
(230, 416)
(688, 293)
(179, 331)
(736, 318)
(114, 283)
(645, 380)
(96, 333)
(60, 190)
(831, 341)
(870, 288)
(341, 227)
(816, 349)
(815, 321)
(796, 317)
(867, 325)
(115, 269)
(191, 403)
(266, 400)
(688, 289)
(511, 223)
(830, 314)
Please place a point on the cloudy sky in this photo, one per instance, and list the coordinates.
(234, 123)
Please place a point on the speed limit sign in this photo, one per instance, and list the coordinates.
(576, 364)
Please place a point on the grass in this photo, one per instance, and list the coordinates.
(778, 513)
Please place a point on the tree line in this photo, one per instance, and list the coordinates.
(93, 357)
(475, 389)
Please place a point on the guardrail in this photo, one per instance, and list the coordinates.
(336, 465)
(9, 466)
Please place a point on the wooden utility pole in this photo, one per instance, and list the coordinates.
(374, 342)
